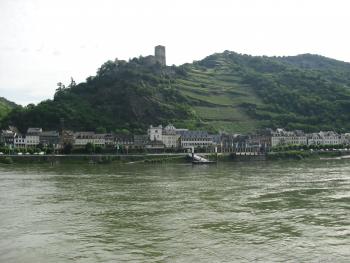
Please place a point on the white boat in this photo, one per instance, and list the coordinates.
(196, 159)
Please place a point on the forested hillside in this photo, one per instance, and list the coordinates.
(5, 107)
(223, 92)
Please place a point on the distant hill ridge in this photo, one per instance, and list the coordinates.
(223, 92)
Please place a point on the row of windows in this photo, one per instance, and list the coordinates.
(198, 144)
(198, 140)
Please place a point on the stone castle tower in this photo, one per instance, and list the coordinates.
(159, 54)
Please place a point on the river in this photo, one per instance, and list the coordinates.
(290, 211)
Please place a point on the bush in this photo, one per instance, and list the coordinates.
(6, 160)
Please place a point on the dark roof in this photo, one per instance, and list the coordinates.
(49, 133)
(194, 134)
(34, 131)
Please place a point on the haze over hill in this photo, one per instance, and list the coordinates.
(223, 92)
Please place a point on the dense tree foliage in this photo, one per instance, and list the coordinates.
(122, 96)
(6, 107)
(303, 92)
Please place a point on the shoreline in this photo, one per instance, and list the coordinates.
(167, 157)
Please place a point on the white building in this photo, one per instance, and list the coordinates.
(20, 141)
(168, 135)
(283, 137)
(314, 139)
(32, 140)
(195, 139)
(325, 138)
(155, 133)
(330, 138)
(171, 136)
(171, 140)
(33, 137)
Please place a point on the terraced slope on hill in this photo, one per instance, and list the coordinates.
(242, 93)
(219, 97)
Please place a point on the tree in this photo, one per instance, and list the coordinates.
(101, 130)
(60, 86)
(72, 83)
(98, 149)
(90, 148)
(67, 149)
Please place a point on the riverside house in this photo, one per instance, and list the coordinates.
(83, 138)
(33, 137)
(124, 140)
(195, 139)
(8, 137)
(283, 137)
(168, 136)
(50, 138)
(171, 137)
(140, 141)
(325, 138)
(19, 141)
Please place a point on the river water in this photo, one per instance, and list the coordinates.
(233, 212)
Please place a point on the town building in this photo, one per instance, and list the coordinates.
(171, 137)
(67, 137)
(345, 138)
(155, 133)
(83, 138)
(20, 141)
(283, 137)
(33, 137)
(50, 138)
(217, 140)
(195, 139)
(8, 137)
(140, 141)
(262, 141)
(109, 139)
(124, 140)
(155, 145)
(325, 138)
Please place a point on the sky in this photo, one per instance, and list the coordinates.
(43, 42)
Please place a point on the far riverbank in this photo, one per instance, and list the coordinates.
(165, 157)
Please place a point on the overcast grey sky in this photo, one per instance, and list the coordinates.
(47, 41)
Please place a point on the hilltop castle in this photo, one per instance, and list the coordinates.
(159, 56)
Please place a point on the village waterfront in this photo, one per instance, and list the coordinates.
(290, 211)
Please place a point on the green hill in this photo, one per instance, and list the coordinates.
(5, 107)
(224, 91)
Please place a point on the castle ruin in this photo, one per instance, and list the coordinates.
(159, 54)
